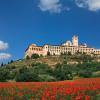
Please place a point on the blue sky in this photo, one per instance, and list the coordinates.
(23, 22)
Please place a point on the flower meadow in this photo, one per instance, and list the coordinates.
(82, 89)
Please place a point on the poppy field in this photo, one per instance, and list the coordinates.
(82, 89)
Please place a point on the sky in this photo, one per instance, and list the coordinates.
(23, 22)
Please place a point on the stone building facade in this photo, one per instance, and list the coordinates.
(68, 46)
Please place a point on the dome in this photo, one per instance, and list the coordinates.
(33, 44)
(67, 43)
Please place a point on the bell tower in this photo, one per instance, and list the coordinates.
(75, 40)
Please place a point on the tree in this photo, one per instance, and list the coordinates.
(69, 54)
(26, 75)
(2, 64)
(85, 74)
(35, 56)
(87, 58)
(48, 53)
(11, 61)
(4, 74)
(62, 72)
(42, 68)
(27, 57)
(61, 54)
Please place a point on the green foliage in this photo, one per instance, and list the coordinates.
(4, 74)
(69, 54)
(34, 56)
(38, 72)
(83, 57)
(96, 74)
(33, 70)
(48, 54)
(62, 72)
(11, 61)
(46, 78)
(27, 57)
(85, 74)
(2, 64)
(26, 75)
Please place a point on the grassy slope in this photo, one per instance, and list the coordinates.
(48, 60)
(51, 61)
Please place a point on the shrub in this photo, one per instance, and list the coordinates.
(27, 57)
(4, 74)
(26, 75)
(46, 78)
(85, 74)
(62, 72)
(35, 56)
(48, 54)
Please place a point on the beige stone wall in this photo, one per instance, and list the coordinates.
(57, 50)
(33, 49)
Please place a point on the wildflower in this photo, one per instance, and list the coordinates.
(87, 97)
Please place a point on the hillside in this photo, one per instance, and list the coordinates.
(51, 68)
(53, 60)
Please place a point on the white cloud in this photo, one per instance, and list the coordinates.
(53, 6)
(92, 5)
(4, 56)
(3, 45)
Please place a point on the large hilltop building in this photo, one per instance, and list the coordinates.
(68, 46)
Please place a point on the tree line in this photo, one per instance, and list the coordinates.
(40, 72)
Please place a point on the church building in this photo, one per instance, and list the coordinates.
(68, 46)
